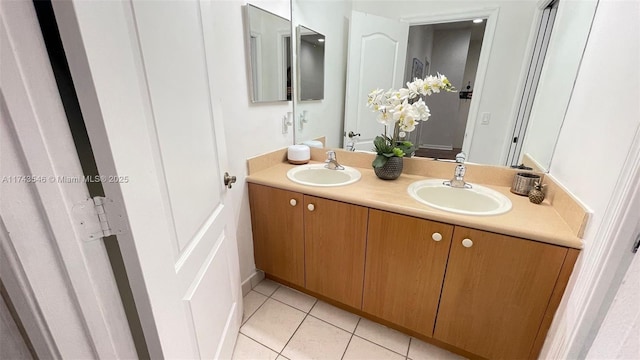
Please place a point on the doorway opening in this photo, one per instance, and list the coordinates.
(453, 49)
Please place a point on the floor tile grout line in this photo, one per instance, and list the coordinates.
(293, 307)
(258, 342)
(274, 291)
(293, 334)
(351, 338)
(334, 325)
(253, 313)
(409, 347)
(308, 313)
(393, 351)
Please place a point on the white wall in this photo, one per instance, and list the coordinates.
(505, 63)
(311, 60)
(595, 140)
(568, 38)
(250, 129)
(419, 46)
(449, 56)
(329, 18)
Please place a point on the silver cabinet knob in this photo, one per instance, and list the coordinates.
(436, 236)
(293, 202)
(311, 207)
(467, 243)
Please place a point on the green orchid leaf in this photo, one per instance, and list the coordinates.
(379, 161)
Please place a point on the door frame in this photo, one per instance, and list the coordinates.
(491, 14)
(87, 318)
(522, 82)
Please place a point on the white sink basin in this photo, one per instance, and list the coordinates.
(318, 175)
(478, 200)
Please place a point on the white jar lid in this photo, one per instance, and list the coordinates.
(299, 153)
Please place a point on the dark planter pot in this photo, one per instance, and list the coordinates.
(391, 170)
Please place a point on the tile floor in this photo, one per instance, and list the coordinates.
(282, 323)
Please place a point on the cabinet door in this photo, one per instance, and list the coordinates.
(335, 237)
(278, 237)
(405, 263)
(495, 293)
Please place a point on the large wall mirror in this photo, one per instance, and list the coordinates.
(268, 39)
(502, 115)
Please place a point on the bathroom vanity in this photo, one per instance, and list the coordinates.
(484, 287)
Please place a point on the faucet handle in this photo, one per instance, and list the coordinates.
(331, 155)
(461, 157)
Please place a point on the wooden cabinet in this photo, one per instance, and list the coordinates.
(496, 293)
(278, 236)
(482, 293)
(335, 238)
(405, 264)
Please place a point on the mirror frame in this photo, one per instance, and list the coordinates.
(247, 38)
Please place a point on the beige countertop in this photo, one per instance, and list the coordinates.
(526, 220)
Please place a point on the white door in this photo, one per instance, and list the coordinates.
(377, 52)
(142, 72)
(57, 276)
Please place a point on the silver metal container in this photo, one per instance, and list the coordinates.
(523, 183)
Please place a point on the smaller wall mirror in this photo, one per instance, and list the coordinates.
(310, 64)
(268, 41)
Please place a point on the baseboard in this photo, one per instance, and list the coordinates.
(436, 147)
(251, 282)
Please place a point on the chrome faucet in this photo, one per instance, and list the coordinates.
(351, 145)
(458, 176)
(332, 162)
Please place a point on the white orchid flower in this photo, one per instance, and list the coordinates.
(385, 118)
(422, 109)
(415, 88)
(408, 123)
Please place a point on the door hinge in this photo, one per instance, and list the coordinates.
(95, 217)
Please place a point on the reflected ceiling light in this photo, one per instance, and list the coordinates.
(321, 40)
(477, 21)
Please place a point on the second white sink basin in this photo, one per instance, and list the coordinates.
(318, 175)
(478, 200)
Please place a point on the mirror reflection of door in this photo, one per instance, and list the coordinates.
(377, 48)
(310, 64)
(452, 49)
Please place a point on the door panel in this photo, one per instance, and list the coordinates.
(377, 52)
(170, 38)
(210, 300)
